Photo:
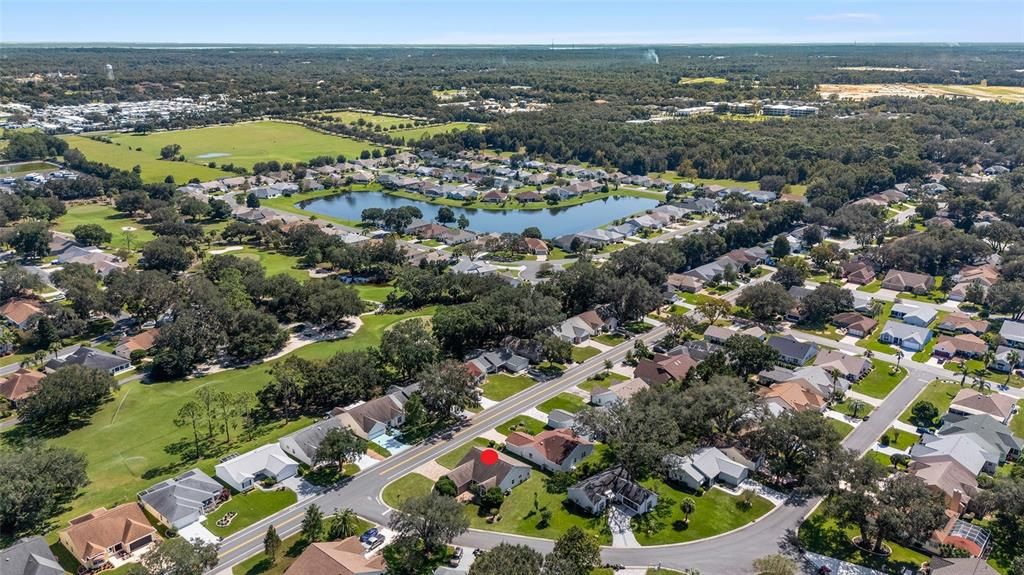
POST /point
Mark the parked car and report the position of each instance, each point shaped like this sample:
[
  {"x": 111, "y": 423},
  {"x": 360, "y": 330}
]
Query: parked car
[
  {"x": 455, "y": 558},
  {"x": 368, "y": 535},
  {"x": 376, "y": 541}
]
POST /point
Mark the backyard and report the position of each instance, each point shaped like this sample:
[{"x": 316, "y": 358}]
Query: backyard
[
  {"x": 715, "y": 512},
  {"x": 250, "y": 508}
]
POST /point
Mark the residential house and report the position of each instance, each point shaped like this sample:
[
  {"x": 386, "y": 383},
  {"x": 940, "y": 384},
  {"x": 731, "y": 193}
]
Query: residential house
[
  {"x": 561, "y": 419},
  {"x": 858, "y": 272},
  {"x": 707, "y": 466},
  {"x": 502, "y": 359},
  {"x": 967, "y": 450},
  {"x": 621, "y": 391},
  {"x": 101, "y": 261},
  {"x": 909, "y": 337},
  {"x": 20, "y": 312},
  {"x": 682, "y": 282},
  {"x": 962, "y": 566},
  {"x": 851, "y": 367},
  {"x": 918, "y": 315},
  {"x": 582, "y": 327},
  {"x": 531, "y": 349},
  {"x": 664, "y": 368},
  {"x": 371, "y": 419},
  {"x": 241, "y": 472},
  {"x": 471, "y": 474},
  {"x": 1012, "y": 333},
  {"x": 864, "y": 304},
  {"x": 474, "y": 267},
  {"x": 898, "y": 280},
  {"x": 963, "y": 345},
  {"x": 304, "y": 443},
  {"x": 96, "y": 537},
  {"x": 1007, "y": 358},
  {"x": 612, "y": 486},
  {"x": 947, "y": 476},
  {"x": 537, "y": 247},
  {"x": 717, "y": 334},
  {"x": 20, "y": 385},
  {"x": 821, "y": 380},
  {"x": 956, "y": 322},
  {"x": 971, "y": 402},
  {"x": 792, "y": 351},
  {"x": 998, "y": 443},
  {"x": 345, "y": 557},
  {"x": 142, "y": 341},
  {"x": 984, "y": 276},
  {"x": 90, "y": 357},
  {"x": 553, "y": 450},
  {"x": 30, "y": 556},
  {"x": 792, "y": 397},
  {"x": 854, "y": 323},
  {"x": 183, "y": 500}
]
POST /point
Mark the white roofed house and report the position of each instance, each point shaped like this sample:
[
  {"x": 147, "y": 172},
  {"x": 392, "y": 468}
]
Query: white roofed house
[
  {"x": 553, "y": 450},
  {"x": 617, "y": 392},
  {"x": 241, "y": 472},
  {"x": 706, "y": 466},
  {"x": 909, "y": 337}
]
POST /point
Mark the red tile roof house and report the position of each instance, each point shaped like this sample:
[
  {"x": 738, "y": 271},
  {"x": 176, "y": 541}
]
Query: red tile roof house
[
  {"x": 897, "y": 280},
  {"x": 553, "y": 450},
  {"x": 664, "y": 368},
  {"x": 20, "y": 385},
  {"x": 537, "y": 247},
  {"x": 143, "y": 340},
  {"x": 20, "y": 311},
  {"x": 104, "y": 534}
]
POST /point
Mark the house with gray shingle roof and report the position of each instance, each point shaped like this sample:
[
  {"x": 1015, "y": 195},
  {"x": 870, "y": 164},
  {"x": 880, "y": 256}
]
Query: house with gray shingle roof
[
  {"x": 183, "y": 500},
  {"x": 30, "y": 556},
  {"x": 909, "y": 337}
]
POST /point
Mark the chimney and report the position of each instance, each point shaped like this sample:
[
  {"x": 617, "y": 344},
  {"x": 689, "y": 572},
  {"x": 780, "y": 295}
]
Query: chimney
[{"x": 956, "y": 502}]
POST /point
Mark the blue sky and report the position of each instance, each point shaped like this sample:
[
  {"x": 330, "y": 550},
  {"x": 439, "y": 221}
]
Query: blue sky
[{"x": 511, "y": 22}]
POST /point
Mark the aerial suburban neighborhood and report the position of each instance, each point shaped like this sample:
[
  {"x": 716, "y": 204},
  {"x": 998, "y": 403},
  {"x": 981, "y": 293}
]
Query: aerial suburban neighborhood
[{"x": 408, "y": 307}]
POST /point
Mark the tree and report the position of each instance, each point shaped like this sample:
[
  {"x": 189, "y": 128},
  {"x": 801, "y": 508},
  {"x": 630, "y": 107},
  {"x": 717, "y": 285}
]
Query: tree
[
  {"x": 492, "y": 499},
  {"x": 67, "y": 395},
  {"x": 463, "y": 222},
  {"x": 687, "y": 506},
  {"x": 91, "y": 235},
  {"x": 714, "y": 309},
  {"x": 434, "y": 520},
  {"x": 81, "y": 285},
  {"x": 575, "y": 553},
  {"x": 1007, "y": 297},
  {"x": 855, "y": 406},
  {"x": 190, "y": 414},
  {"x": 532, "y": 232},
  {"x": 415, "y": 412},
  {"x": 31, "y": 240},
  {"x": 749, "y": 355},
  {"x": 313, "y": 524},
  {"x": 555, "y": 349},
  {"x": 170, "y": 151},
  {"x": 789, "y": 276},
  {"x": 409, "y": 347},
  {"x": 445, "y": 486},
  {"x": 508, "y": 559},
  {"x": 793, "y": 442},
  {"x": 15, "y": 281},
  {"x": 271, "y": 544},
  {"x": 166, "y": 254},
  {"x": 343, "y": 525},
  {"x": 824, "y": 302},
  {"x": 252, "y": 201},
  {"x": 144, "y": 294},
  {"x": 924, "y": 413},
  {"x": 780, "y": 247},
  {"x": 36, "y": 481},
  {"x": 445, "y": 215},
  {"x": 194, "y": 208},
  {"x": 447, "y": 387},
  {"x": 767, "y": 301},
  {"x": 775, "y": 565},
  {"x": 219, "y": 209},
  {"x": 178, "y": 556},
  {"x": 339, "y": 446},
  {"x": 253, "y": 334}
]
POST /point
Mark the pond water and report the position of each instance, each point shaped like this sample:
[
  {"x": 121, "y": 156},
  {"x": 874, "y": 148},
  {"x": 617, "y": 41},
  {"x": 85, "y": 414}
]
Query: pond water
[{"x": 552, "y": 222}]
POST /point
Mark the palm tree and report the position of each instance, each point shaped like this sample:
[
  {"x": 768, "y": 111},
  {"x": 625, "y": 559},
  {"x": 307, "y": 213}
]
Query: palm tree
[
  {"x": 988, "y": 357},
  {"x": 54, "y": 348},
  {"x": 39, "y": 356},
  {"x": 869, "y": 354},
  {"x": 855, "y": 406},
  {"x": 343, "y": 525},
  {"x": 899, "y": 356},
  {"x": 688, "y": 506},
  {"x": 963, "y": 374},
  {"x": 1014, "y": 359}
]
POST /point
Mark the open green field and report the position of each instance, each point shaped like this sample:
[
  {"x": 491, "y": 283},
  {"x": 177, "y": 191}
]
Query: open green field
[
  {"x": 385, "y": 121},
  {"x": 501, "y": 386},
  {"x": 412, "y": 485},
  {"x": 250, "y": 507},
  {"x": 274, "y": 262},
  {"x": 413, "y": 134},
  {"x": 121, "y": 156},
  {"x": 565, "y": 401},
  {"x": 879, "y": 382},
  {"x": 703, "y": 80},
  {"x": 938, "y": 393},
  {"x": 109, "y": 219},
  {"x": 716, "y": 512}
]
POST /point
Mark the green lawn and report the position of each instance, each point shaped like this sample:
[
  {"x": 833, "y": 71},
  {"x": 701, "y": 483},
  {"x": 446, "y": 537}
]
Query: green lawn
[
  {"x": 250, "y": 507},
  {"x": 611, "y": 339},
  {"x": 453, "y": 457},
  {"x": 522, "y": 423},
  {"x": 871, "y": 342},
  {"x": 502, "y": 386},
  {"x": 110, "y": 220},
  {"x": 377, "y": 293},
  {"x": 583, "y": 353},
  {"x": 881, "y": 458},
  {"x": 412, "y": 485},
  {"x": 827, "y": 331},
  {"x": 1017, "y": 422},
  {"x": 841, "y": 427},
  {"x": 938, "y": 393},
  {"x": 898, "y": 439},
  {"x": 703, "y": 80},
  {"x": 873, "y": 287},
  {"x": 518, "y": 515},
  {"x": 696, "y": 298},
  {"x": 820, "y": 534},
  {"x": 716, "y": 512},
  {"x": 125, "y": 157},
  {"x": 385, "y": 121},
  {"x": 565, "y": 401},
  {"x": 610, "y": 379},
  {"x": 242, "y": 144},
  {"x": 412, "y": 134},
  {"x": 274, "y": 262},
  {"x": 844, "y": 408},
  {"x": 879, "y": 382},
  {"x": 923, "y": 355}
]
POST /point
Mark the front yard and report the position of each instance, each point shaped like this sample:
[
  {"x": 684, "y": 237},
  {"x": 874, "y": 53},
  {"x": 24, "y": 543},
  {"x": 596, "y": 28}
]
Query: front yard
[
  {"x": 453, "y": 457},
  {"x": 846, "y": 408},
  {"x": 612, "y": 339},
  {"x": 1017, "y": 422},
  {"x": 412, "y": 485},
  {"x": 583, "y": 353},
  {"x": 898, "y": 439},
  {"x": 523, "y": 423},
  {"x": 880, "y": 383},
  {"x": 501, "y": 386},
  {"x": 610, "y": 378},
  {"x": 938, "y": 393},
  {"x": 250, "y": 507},
  {"x": 820, "y": 534},
  {"x": 841, "y": 427},
  {"x": 716, "y": 512},
  {"x": 565, "y": 401}
]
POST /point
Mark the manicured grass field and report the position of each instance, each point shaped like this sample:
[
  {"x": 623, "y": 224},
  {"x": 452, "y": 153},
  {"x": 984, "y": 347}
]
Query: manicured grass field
[
  {"x": 938, "y": 393},
  {"x": 871, "y": 342},
  {"x": 841, "y": 427},
  {"x": 715, "y": 512},
  {"x": 522, "y": 423},
  {"x": 820, "y": 534},
  {"x": 1017, "y": 422},
  {"x": 125, "y": 157},
  {"x": 502, "y": 386},
  {"x": 565, "y": 401},
  {"x": 611, "y": 379},
  {"x": 898, "y": 439},
  {"x": 412, "y": 134},
  {"x": 583, "y": 353},
  {"x": 844, "y": 408},
  {"x": 880, "y": 457},
  {"x": 274, "y": 262},
  {"x": 250, "y": 507},
  {"x": 110, "y": 220},
  {"x": 370, "y": 292},
  {"x": 879, "y": 383},
  {"x": 703, "y": 80},
  {"x": 872, "y": 287},
  {"x": 453, "y": 457},
  {"x": 611, "y": 339},
  {"x": 696, "y": 298},
  {"x": 519, "y": 517},
  {"x": 412, "y": 485},
  {"x": 385, "y": 121}
]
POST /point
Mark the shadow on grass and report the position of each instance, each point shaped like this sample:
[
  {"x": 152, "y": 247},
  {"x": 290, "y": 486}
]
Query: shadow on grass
[{"x": 819, "y": 535}]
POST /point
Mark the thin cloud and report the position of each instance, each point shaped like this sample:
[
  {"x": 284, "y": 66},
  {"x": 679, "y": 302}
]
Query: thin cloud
[{"x": 845, "y": 17}]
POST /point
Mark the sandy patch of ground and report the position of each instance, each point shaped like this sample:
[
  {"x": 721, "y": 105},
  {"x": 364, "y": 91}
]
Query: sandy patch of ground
[
  {"x": 1013, "y": 94},
  {"x": 219, "y": 251},
  {"x": 493, "y": 435},
  {"x": 432, "y": 470}
]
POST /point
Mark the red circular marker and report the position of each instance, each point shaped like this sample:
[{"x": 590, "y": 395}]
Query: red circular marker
[{"x": 488, "y": 457}]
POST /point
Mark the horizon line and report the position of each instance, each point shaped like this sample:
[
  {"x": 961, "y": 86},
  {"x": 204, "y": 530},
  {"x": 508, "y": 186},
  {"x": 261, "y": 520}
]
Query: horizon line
[{"x": 946, "y": 43}]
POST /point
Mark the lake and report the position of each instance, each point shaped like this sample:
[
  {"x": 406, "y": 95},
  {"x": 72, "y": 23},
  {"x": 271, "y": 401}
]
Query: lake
[{"x": 553, "y": 222}]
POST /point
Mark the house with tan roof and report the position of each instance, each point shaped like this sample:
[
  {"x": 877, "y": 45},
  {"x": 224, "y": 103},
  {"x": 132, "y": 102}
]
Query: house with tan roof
[
  {"x": 20, "y": 385},
  {"x": 962, "y": 345},
  {"x": 957, "y": 322},
  {"x": 898, "y": 280},
  {"x": 144, "y": 341},
  {"x": 791, "y": 396},
  {"x": 682, "y": 282},
  {"x": 983, "y": 276},
  {"x": 664, "y": 368},
  {"x": 345, "y": 557},
  {"x": 373, "y": 418},
  {"x": 851, "y": 367},
  {"x": 858, "y": 272},
  {"x": 104, "y": 534},
  {"x": 537, "y": 247},
  {"x": 471, "y": 474},
  {"x": 854, "y": 323},
  {"x": 971, "y": 402},
  {"x": 947, "y": 476},
  {"x": 553, "y": 450},
  {"x": 621, "y": 391},
  {"x": 19, "y": 312}
]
